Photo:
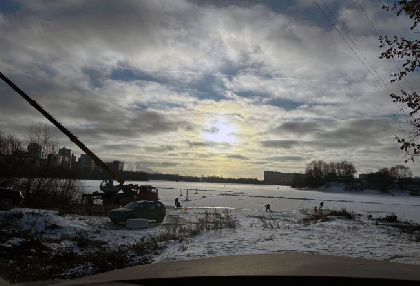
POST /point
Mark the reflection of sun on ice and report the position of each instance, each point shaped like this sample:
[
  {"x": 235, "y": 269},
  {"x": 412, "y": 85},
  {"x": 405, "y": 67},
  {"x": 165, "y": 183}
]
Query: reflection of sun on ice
[{"x": 219, "y": 132}]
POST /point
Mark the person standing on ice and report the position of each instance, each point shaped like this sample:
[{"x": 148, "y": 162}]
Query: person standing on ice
[{"x": 267, "y": 207}]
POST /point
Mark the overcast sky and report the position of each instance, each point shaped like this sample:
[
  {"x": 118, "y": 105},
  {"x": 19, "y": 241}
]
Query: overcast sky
[{"x": 227, "y": 88}]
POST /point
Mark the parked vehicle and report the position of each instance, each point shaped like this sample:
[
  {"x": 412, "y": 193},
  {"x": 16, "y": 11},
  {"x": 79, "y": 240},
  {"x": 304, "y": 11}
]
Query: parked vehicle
[
  {"x": 151, "y": 210},
  {"x": 9, "y": 198}
]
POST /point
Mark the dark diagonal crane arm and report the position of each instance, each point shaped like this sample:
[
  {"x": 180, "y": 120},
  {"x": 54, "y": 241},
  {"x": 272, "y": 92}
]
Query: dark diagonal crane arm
[{"x": 63, "y": 129}]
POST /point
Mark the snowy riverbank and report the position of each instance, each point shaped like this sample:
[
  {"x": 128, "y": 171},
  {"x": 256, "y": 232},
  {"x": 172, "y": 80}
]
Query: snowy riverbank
[{"x": 256, "y": 231}]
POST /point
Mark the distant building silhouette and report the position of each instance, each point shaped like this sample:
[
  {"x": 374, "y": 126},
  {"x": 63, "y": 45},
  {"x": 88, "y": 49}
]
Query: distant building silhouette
[
  {"x": 54, "y": 160},
  {"x": 35, "y": 152},
  {"x": 116, "y": 165},
  {"x": 279, "y": 178},
  {"x": 68, "y": 158},
  {"x": 383, "y": 182},
  {"x": 86, "y": 163}
]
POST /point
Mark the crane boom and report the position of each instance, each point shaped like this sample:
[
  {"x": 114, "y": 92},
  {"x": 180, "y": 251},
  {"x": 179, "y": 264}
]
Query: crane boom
[{"x": 63, "y": 129}]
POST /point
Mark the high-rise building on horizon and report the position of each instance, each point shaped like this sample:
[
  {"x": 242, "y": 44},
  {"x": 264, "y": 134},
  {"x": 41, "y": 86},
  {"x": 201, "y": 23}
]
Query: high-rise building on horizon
[
  {"x": 86, "y": 162},
  {"x": 67, "y": 155}
]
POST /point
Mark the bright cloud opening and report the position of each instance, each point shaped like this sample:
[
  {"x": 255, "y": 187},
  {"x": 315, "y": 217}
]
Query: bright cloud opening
[{"x": 220, "y": 132}]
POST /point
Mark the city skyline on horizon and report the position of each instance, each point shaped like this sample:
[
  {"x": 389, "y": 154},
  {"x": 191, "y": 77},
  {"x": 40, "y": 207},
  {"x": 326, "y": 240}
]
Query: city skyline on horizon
[{"x": 84, "y": 155}]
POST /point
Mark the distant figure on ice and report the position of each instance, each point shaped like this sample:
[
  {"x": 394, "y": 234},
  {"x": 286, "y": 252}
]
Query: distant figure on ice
[
  {"x": 176, "y": 201},
  {"x": 267, "y": 207},
  {"x": 321, "y": 205},
  {"x": 178, "y": 205}
]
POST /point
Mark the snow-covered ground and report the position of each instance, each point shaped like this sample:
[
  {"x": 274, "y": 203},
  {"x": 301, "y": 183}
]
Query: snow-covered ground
[
  {"x": 258, "y": 231},
  {"x": 356, "y": 238}
]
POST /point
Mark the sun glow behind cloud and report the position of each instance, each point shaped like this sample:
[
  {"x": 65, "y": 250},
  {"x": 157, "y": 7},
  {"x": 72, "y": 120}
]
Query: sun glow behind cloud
[
  {"x": 220, "y": 131},
  {"x": 222, "y": 127},
  {"x": 192, "y": 88}
]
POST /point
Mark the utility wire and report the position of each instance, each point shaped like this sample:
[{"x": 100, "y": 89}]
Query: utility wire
[
  {"x": 332, "y": 24},
  {"x": 355, "y": 46},
  {"x": 377, "y": 34}
]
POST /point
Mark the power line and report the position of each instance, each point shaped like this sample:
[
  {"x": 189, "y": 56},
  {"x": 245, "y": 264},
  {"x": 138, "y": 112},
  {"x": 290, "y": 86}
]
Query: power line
[
  {"x": 356, "y": 47},
  {"x": 377, "y": 34},
  {"x": 332, "y": 24}
]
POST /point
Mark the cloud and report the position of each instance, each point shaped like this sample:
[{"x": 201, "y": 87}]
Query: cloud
[
  {"x": 160, "y": 148},
  {"x": 211, "y": 130},
  {"x": 288, "y": 158},
  {"x": 139, "y": 80},
  {"x": 297, "y": 127},
  {"x": 286, "y": 144},
  {"x": 355, "y": 133},
  {"x": 211, "y": 144},
  {"x": 159, "y": 164},
  {"x": 237, "y": 156}
]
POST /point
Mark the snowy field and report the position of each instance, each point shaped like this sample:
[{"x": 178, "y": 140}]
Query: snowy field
[
  {"x": 257, "y": 231},
  {"x": 355, "y": 238}
]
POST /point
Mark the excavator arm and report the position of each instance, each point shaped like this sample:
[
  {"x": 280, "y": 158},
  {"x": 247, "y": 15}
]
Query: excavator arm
[{"x": 107, "y": 187}]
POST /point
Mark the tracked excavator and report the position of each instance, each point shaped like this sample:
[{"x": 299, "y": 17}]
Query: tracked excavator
[{"x": 110, "y": 194}]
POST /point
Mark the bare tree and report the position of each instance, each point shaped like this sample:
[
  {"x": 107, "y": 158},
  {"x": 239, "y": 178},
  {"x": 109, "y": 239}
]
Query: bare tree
[
  {"x": 9, "y": 144},
  {"x": 400, "y": 171},
  {"x": 316, "y": 172},
  {"x": 384, "y": 180},
  {"x": 12, "y": 159},
  {"x": 408, "y": 50},
  {"x": 319, "y": 172},
  {"x": 42, "y": 135},
  {"x": 18, "y": 171},
  {"x": 346, "y": 169}
]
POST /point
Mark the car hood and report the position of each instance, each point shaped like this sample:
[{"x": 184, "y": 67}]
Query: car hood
[{"x": 293, "y": 268}]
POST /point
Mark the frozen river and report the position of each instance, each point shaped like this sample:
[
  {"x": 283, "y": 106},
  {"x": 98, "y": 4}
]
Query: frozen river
[{"x": 282, "y": 199}]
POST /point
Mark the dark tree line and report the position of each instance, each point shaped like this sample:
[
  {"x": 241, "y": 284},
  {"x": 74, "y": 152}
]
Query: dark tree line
[
  {"x": 21, "y": 171},
  {"x": 389, "y": 178},
  {"x": 319, "y": 172},
  {"x": 208, "y": 179},
  {"x": 397, "y": 172}
]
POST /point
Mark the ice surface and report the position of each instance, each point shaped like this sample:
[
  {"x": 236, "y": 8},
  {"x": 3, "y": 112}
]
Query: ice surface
[
  {"x": 283, "y": 199},
  {"x": 362, "y": 237}
]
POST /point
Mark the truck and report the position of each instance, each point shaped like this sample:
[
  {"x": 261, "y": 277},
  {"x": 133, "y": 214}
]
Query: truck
[{"x": 118, "y": 194}]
